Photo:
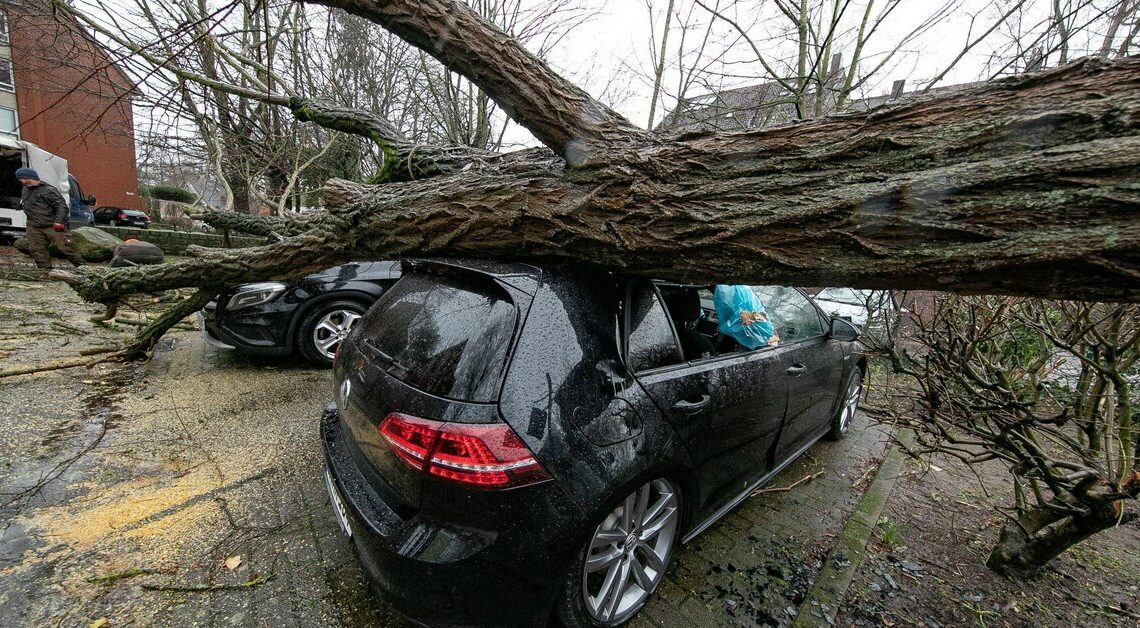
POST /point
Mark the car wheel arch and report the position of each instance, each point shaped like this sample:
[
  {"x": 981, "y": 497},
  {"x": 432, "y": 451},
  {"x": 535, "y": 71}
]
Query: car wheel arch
[
  {"x": 675, "y": 476},
  {"x": 683, "y": 479},
  {"x": 861, "y": 366},
  {"x": 364, "y": 299},
  {"x": 839, "y": 428}
]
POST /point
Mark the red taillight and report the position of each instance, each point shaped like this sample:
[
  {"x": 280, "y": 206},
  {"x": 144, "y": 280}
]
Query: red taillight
[
  {"x": 122, "y": 216},
  {"x": 410, "y": 439},
  {"x": 483, "y": 457}
]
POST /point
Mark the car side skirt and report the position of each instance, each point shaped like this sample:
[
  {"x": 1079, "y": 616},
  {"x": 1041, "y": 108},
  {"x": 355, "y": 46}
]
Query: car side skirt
[{"x": 743, "y": 495}]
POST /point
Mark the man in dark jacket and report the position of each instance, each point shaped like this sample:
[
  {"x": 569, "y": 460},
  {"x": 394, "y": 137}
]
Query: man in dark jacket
[{"x": 47, "y": 220}]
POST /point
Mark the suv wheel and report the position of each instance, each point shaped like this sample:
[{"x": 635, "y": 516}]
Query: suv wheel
[
  {"x": 322, "y": 330},
  {"x": 624, "y": 559},
  {"x": 841, "y": 424}
]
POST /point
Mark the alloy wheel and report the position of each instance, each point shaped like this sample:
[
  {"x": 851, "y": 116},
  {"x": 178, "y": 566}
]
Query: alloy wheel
[
  {"x": 850, "y": 403},
  {"x": 629, "y": 552},
  {"x": 332, "y": 329}
]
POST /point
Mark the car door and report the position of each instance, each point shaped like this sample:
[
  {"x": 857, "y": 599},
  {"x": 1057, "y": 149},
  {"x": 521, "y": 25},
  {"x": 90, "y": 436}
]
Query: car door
[
  {"x": 813, "y": 366},
  {"x": 727, "y": 410}
]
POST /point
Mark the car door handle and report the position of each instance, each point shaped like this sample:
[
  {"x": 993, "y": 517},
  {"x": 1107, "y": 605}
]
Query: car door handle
[
  {"x": 796, "y": 370},
  {"x": 685, "y": 406}
]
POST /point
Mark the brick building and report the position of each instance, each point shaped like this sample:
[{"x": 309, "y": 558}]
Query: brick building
[{"x": 60, "y": 90}]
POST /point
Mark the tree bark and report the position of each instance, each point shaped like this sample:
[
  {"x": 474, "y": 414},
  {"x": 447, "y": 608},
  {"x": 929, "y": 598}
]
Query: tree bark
[
  {"x": 1040, "y": 535},
  {"x": 937, "y": 193},
  {"x": 1024, "y": 186},
  {"x": 403, "y": 160}
]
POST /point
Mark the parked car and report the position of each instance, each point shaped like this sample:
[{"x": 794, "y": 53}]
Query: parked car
[
  {"x": 507, "y": 441},
  {"x": 79, "y": 206},
  {"x": 80, "y": 216},
  {"x": 873, "y": 311},
  {"x": 121, "y": 217},
  {"x": 309, "y": 317}
]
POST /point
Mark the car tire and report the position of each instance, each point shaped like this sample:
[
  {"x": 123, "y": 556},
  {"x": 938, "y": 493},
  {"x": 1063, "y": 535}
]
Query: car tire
[
  {"x": 848, "y": 404},
  {"x": 112, "y": 223},
  {"x": 624, "y": 558},
  {"x": 323, "y": 327}
]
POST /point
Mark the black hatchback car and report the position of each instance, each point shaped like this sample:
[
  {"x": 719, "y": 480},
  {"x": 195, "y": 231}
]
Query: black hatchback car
[
  {"x": 309, "y": 317},
  {"x": 508, "y": 441},
  {"x": 121, "y": 217}
]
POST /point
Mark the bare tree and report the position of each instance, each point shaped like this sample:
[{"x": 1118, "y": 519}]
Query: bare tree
[
  {"x": 1045, "y": 388},
  {"x": 220, "y": 75},
  {"x": 1035, "y": 36},
  {"x": 798, "y": 50},
  {"x": 658, "y": 57}
]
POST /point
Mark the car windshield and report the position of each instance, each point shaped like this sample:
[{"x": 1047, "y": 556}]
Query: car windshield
[
  {"x": 444, "y": 335},
  {"x": 844, "y": 295}
]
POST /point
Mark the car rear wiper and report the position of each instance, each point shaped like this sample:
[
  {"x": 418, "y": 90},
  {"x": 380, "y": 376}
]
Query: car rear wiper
[{"x": 388, "y": 362}]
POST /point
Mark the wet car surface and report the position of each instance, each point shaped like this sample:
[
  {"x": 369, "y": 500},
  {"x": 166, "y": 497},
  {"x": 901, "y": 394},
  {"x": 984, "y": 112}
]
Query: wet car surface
[
  {"x": 203, "y": 455},
  {"x": 509, "y": 442},
  {"x": 309, "y": 317}
]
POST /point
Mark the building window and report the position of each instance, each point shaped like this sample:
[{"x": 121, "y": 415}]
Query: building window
[
  {"x": 6, "y": 82},
  {"x": 8, "y": 122},
  {"x": 3, "y": 27}
]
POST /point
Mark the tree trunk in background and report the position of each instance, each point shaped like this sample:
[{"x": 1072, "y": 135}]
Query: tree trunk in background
[{"x": 1040, "y": 535}]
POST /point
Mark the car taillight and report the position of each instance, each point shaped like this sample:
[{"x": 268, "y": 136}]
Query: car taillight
[
  {"x": 122, "y": 216},
  {"x": 477, "y": 456}
]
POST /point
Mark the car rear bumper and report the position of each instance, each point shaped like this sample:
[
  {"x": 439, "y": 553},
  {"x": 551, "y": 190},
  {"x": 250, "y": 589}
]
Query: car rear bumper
[{"x": 436, "y": 574}]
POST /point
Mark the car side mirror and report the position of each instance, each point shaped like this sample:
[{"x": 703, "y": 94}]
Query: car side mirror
[
  {"x": 615, "y": 378},
  {"x": 90, "y": 200},
  {"x": 843, "y": 330}
]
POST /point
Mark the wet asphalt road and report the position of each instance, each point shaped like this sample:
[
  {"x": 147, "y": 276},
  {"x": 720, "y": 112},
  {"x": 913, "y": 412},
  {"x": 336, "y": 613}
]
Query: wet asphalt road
[{"x": 125, "y": 490}]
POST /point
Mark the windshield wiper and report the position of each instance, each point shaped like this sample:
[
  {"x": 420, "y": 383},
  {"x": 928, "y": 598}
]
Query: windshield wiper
[{"x": 388, "y": 362}]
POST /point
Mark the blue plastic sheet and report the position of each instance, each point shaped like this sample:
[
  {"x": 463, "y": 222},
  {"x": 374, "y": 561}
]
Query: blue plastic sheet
[{"x": 729, "y": 302}]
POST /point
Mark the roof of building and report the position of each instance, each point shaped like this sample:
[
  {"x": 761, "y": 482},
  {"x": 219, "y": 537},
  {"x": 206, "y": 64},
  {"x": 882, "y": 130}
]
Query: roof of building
[{"x": 769, "y": 104}]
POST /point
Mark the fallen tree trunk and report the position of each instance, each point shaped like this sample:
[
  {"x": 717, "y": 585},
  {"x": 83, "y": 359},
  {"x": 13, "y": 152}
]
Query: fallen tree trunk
[{"x": 938, "y": 193}]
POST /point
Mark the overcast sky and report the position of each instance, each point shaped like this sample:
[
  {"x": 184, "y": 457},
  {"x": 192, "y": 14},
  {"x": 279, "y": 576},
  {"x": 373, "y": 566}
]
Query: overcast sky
[{"x": 615, "y": 46}]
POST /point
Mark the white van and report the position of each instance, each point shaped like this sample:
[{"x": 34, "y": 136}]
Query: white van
[{"x": 15, "y": 153}]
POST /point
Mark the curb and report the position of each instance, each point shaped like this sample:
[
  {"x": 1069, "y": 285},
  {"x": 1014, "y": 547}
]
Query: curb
[{"x": 830, "y": 586}]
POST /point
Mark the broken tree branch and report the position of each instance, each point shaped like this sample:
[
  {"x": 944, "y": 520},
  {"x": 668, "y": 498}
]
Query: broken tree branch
[{"x": 785, "y": 489}]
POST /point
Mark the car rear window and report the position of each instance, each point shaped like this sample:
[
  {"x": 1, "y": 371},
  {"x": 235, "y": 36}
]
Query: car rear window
[{"x": 446, "y": 335}]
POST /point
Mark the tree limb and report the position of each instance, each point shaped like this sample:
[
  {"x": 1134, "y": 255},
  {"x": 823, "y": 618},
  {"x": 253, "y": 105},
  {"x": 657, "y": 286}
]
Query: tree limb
[{"x": 561, "y": 115}]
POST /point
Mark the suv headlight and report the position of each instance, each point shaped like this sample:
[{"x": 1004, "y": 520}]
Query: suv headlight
[{"x": 252, "y": 294}]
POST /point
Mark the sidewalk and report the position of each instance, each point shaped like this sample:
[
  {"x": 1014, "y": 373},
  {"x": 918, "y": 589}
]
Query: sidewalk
[
  {"x": 830, "y": 586},
  {"x": 757, "y": 565}
]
